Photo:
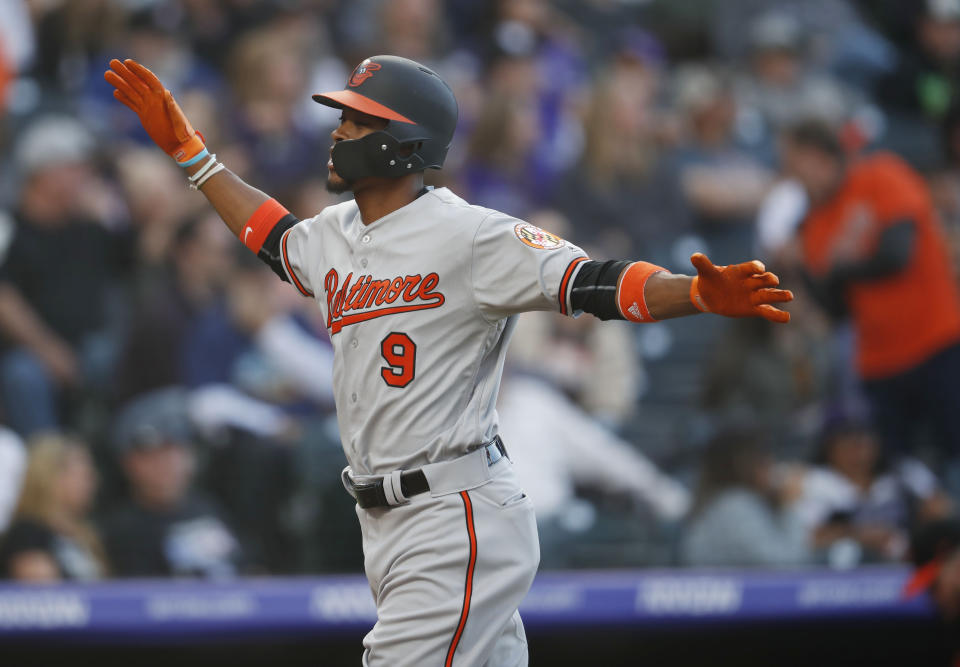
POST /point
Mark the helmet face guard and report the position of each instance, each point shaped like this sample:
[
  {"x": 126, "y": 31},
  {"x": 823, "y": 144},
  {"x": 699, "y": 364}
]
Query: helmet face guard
[
  {"x": 420, "y": 110},
  {"x": 381, "y": 154}
]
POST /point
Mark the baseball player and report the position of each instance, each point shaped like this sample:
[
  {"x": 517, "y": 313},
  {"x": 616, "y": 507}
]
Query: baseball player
[{"x": 420, "y": 290}]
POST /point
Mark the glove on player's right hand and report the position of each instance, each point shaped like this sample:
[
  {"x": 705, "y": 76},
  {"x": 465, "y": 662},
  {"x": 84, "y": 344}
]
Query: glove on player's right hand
[
  {"x": 738, "y": 290},
  {"x": 159, "y": 113}
]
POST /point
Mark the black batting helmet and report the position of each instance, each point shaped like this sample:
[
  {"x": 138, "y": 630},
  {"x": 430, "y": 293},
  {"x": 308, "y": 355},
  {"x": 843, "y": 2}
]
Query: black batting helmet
[{"x": 420, "y": 108}]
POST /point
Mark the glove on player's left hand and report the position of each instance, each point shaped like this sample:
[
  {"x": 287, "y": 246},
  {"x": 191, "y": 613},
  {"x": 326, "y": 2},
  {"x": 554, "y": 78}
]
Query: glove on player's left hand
[
  {"x": 737, "y": 290},
  {"x": 140, "y": 89}
]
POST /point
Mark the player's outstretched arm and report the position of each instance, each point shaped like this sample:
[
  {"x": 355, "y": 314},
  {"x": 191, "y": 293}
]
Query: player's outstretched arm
[
  {"x": 140, "y": 90},
  {"x": 644, "y": 292}
]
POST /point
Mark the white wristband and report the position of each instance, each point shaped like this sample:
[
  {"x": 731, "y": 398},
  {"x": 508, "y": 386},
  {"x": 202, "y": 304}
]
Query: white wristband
[
  {"x": 216, "y": 170},
  {"x": 203, "y": 170}
]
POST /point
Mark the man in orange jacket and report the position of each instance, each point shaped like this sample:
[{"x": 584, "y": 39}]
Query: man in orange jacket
[{"x": 873, "y": 248}]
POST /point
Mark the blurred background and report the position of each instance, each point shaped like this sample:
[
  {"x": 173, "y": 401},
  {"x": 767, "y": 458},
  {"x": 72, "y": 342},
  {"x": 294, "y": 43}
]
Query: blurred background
[{"x": 166, "y": 402}]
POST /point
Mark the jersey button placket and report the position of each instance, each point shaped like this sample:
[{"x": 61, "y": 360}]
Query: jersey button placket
[
  {"x": 353, "y": 343},
  {"x": 365, "y": 239}
]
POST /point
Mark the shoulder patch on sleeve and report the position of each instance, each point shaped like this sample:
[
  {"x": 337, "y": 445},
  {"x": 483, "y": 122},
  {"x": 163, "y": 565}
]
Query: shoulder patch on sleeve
[{"x": 537, "y": 238}]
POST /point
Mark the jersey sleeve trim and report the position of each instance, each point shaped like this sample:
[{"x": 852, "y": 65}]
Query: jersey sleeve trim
[
  {"x": 564, "y": 294},
  {"x": 289, "y": 268}
]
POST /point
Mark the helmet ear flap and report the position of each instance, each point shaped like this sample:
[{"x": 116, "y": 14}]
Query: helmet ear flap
[{"x": 376, "y": 154}]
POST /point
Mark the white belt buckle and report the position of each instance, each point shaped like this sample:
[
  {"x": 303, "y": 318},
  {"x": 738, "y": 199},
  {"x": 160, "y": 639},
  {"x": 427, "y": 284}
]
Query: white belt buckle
[{"x": 493, "y": 453}]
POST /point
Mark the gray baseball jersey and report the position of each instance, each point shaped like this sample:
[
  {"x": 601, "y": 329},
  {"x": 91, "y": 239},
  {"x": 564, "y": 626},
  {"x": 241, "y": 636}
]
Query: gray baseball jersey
[{"x": 418, "y": 306}]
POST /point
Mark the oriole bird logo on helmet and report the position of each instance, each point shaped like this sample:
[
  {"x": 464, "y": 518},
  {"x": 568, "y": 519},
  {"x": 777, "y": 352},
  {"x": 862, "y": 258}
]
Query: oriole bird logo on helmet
[{"x": 363, "y": 72}]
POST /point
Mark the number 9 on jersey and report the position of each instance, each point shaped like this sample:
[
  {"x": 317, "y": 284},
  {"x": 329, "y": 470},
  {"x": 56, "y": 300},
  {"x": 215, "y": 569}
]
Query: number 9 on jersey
[{"x": 400, "y": 352}]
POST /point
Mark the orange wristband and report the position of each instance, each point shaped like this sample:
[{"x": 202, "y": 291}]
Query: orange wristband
[
  {"x": 630, "y": 298},
  {"x": 695, "y": 297},
  {"x": 263, "y": 220}
]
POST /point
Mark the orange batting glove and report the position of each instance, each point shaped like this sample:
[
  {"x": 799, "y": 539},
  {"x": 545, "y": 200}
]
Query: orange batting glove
[
  {"x": 159, "y": 113},
  {"x": 738, "y": 290}
]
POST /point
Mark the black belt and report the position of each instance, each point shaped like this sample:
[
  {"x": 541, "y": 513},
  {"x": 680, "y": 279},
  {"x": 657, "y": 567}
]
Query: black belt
[{"x": 414, "y": 482}]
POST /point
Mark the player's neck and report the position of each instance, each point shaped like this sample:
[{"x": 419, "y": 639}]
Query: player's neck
[{"x": 381, "y": 197}]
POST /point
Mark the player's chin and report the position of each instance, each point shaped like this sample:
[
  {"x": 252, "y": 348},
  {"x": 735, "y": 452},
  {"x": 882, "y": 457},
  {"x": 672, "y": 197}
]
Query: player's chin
[{"x": 336, "y": 184}]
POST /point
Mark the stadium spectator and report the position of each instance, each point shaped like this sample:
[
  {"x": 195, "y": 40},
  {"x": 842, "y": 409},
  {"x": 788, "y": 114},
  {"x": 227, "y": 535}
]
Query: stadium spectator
[
  {"x": 156, "y": 31},
  {"x": 779, "y": 87},
  {"x": 152, "y": 190},
  {"x": 222, "y": 322},
  {"x": 51, "y": 537},
  {"x": 67, "y": 36},
  {"x": 924, "y": 83},
  {"x": 772, "y": 375},
  {"x": 269, "y": 76},
  {"x": 743, "y": 512},
  {"x": 590, "y": 485},
  {"x": 837, "y": 37},
  {"x": 622, "y": 196},
  {"x": 723, "y": 182},
  {"x": 918, "y": 94},
  {"x": 166, "y": 527},
  {"x": 412, "y": 29},
  {"x": 57, "y": 276},
  {"x": 567, "y": 452},
  {"x": 497, "y": 172},
  {"x": 535, "y": 50},
  {"x": 298, "y": 360},
  {"x": 859, "y": 504},
  {"x": 252, "y": 463},
  {"x": 169, "y": 304},
  {"x": 872, "y": 247},
  {"x": 253, "y": 339}
]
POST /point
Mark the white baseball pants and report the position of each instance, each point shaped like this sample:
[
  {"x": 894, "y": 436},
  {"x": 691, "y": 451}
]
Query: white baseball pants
[{"x": 447, "y": 571}]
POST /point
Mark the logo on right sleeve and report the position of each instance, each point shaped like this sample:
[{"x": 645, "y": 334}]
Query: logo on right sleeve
[{"x": 538, "y": 238}]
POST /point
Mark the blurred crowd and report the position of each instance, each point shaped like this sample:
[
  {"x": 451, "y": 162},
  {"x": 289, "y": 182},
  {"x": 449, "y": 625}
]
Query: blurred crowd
[{"x": 166, "y": 401}]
